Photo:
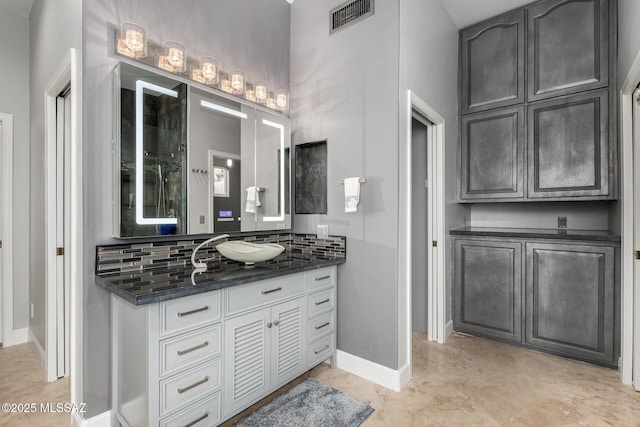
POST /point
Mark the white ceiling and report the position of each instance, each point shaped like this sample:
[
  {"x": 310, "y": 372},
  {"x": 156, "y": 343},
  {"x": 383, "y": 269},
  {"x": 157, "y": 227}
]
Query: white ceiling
[
  {"x": 21, "y": 7},
  {"x": 467, "y": 12}
]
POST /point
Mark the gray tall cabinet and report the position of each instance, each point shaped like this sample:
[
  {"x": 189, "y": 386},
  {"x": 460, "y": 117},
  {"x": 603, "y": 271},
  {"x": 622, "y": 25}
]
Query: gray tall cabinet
[
  {"x": 538, "y": 115},
  {"x": 538, "y": 121}
]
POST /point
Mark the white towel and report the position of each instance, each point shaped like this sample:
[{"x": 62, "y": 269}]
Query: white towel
[
  {"x": 351, "y": 194},
  {"x": 253, "y": 200}
]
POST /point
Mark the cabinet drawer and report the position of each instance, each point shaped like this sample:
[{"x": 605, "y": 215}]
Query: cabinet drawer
[
  {"x": 321, "y": 325},
  {"x": 321, "y": 278},
  {"x": 244, "y": 297},
  {"x": 321, "y": 301},
  {"x": 321, "y": 350},
  {"x": 181, "y": 390},
  {"x": 203, "y": 413},
  {"x": 187, "y": 350},
  {"x": 189, "y": 312}
]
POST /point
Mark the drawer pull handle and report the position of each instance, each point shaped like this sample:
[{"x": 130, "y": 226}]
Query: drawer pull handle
[
  {"x": 187, "y": 388},
  {"x": 189, "y": 350},
  {"x": 197, "y": 310},
  {"x": 324, "y": 325},
  {"x": 271, "y": 291},
  {"x": 322, "y": 302},
  {"x": 322, "y": 278},
  {"x": 323, "y": 349},
  {"x": 196, "y": 421}
]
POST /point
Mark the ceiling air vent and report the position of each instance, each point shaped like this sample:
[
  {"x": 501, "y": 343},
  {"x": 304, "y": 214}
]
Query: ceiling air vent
[{"x": 349, "y": 13}]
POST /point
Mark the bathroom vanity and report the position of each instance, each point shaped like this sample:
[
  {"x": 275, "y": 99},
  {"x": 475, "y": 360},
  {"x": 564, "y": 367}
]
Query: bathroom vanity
[{"x": 198, "y": 350}]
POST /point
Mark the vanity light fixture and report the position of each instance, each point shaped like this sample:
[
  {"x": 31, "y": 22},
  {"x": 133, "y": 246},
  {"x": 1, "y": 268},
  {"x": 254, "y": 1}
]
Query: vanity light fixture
[
  {"x": 132, "y": 41},
  {"x": 173, "y": 58},
  {"x": 237, "y": 81},
  {"x": 282, "y": 99},
  {"x": 262, "y": 91}
]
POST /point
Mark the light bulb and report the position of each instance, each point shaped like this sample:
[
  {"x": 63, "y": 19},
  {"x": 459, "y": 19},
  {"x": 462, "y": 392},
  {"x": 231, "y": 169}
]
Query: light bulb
[
  {"x": 132, "y": 41},
  {"x": 176, "y": 56},
  {"x": 209, "y": 69},
  {"x": 237, "y": 81}
]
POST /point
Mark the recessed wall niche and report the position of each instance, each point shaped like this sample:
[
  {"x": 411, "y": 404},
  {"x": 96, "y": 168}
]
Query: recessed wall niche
[{"x": 311, "y": 178}]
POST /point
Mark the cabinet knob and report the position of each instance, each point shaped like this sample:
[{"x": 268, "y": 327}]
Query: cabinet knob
[
  {"x": 269, "y": 325},
  {"x": 276, "y": 322}
]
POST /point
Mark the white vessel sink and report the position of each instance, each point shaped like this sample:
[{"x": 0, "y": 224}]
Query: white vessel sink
[{"x": 248, "y": 252}]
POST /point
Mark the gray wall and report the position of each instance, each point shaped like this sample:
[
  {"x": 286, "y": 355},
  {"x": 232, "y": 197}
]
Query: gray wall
[
  {"x": 54, "y": 29},
  {"x": 253, "y": 35},
  {"x": 344, "y": 88},
  {"x": 429, "y": 68},
  {"x": 14, "y": 87},
  {"x": 419, "y": 227},
  {"x": 580, "y": 215}
]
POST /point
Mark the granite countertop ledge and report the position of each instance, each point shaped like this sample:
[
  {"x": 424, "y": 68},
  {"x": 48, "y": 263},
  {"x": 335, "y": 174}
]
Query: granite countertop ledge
[
  {"x": 160, "y": 284},
  {"x": 538, "y": 233}
]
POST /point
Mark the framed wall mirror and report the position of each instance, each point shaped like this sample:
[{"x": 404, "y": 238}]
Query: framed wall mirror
[{"x": 189, "y": 160}]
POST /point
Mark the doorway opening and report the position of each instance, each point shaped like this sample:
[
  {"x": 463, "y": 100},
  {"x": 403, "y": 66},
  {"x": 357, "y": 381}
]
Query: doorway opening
[
  {"x": 630, "y": 230},
  {"x": 419, "y": 213},
  {"x": 429, "y": 233}
]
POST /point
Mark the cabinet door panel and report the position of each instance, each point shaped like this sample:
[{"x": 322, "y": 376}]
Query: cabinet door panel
[
  {"x": 493, "y": 63},
  {"x": 247, "y": 359},
  {"x": 493, "y": 155},
  {"x": 568, "y": 47},
  {"x": 569, "y": 299},
  {"x": 488, "y": 280},
  {"x": 568, "y": 147},
  {"x": 287, "y": 350}
]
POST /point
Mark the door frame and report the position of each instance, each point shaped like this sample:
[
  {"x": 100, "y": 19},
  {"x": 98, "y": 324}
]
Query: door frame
[
  {"x": 629, "y": 299},
  {"x": 436, "y": 289},
  {"x": 68, "y": 72},
  {"x": 6, "y": 331}
]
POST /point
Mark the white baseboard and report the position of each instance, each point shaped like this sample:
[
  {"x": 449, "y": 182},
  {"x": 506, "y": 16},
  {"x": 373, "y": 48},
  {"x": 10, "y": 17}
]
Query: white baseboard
[
  {"x": 17, "y": 336},
  {"x": 448, "y": 330},
  {"x": 39, "y": 349},
  {"x": 100, "y": 420},
  {"x": 376, "y": 373}
]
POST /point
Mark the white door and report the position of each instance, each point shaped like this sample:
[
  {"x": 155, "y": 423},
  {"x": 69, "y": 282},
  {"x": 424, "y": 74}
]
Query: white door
[
  {"x": 63, "y": 139},
  {"x": 636, "y": 239}
]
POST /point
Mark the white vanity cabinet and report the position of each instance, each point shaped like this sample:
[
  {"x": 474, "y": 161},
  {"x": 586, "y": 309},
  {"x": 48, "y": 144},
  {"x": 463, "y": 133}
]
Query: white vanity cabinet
[{"x": 199, "y": 360}]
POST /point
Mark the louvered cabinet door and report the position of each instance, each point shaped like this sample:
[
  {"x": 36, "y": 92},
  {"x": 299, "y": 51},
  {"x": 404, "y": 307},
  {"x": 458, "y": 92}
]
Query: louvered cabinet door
[
  {"x": 247, "y": 364},
  {"x": 287, "y": 349}
]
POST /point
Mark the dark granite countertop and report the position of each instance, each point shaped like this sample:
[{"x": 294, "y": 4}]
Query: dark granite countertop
[
  {"x": 159, "y": 284},
  {"x": 537, "y": 233}
]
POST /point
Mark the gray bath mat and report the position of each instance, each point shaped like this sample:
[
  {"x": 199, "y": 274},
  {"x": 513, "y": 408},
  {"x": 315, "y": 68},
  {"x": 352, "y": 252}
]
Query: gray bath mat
[{"x": 310, "y": 404}]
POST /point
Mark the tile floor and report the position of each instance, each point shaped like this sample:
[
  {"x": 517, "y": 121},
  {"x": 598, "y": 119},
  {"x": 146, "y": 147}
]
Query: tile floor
[
  {"x": 22, "y": 380},
  {"x": 467, "y": 381}
]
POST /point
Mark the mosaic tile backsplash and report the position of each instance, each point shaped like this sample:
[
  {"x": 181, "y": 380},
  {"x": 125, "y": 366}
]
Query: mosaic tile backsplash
[{"x": 137, "y": 256}]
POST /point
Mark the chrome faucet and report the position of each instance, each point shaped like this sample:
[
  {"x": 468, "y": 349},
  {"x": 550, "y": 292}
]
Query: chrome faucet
[{"x": 202, "y": 266}]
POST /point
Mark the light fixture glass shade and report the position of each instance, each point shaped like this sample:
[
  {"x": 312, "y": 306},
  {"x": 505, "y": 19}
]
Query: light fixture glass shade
[
  {"x": 210, "y": 68},
  {"x": 270, "y": 103},
  {"x": 132, "y": 41},
  {"x": 196, "y": 74},
  {"x": 225, "y": 86},
  {"x": 262, "y": 91},
  {"x": 250, "y": 93},
  {"x": 237, "y": 81},
  {"x": 175, "y": 56},
  {"x": 282, "y": 99}
]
